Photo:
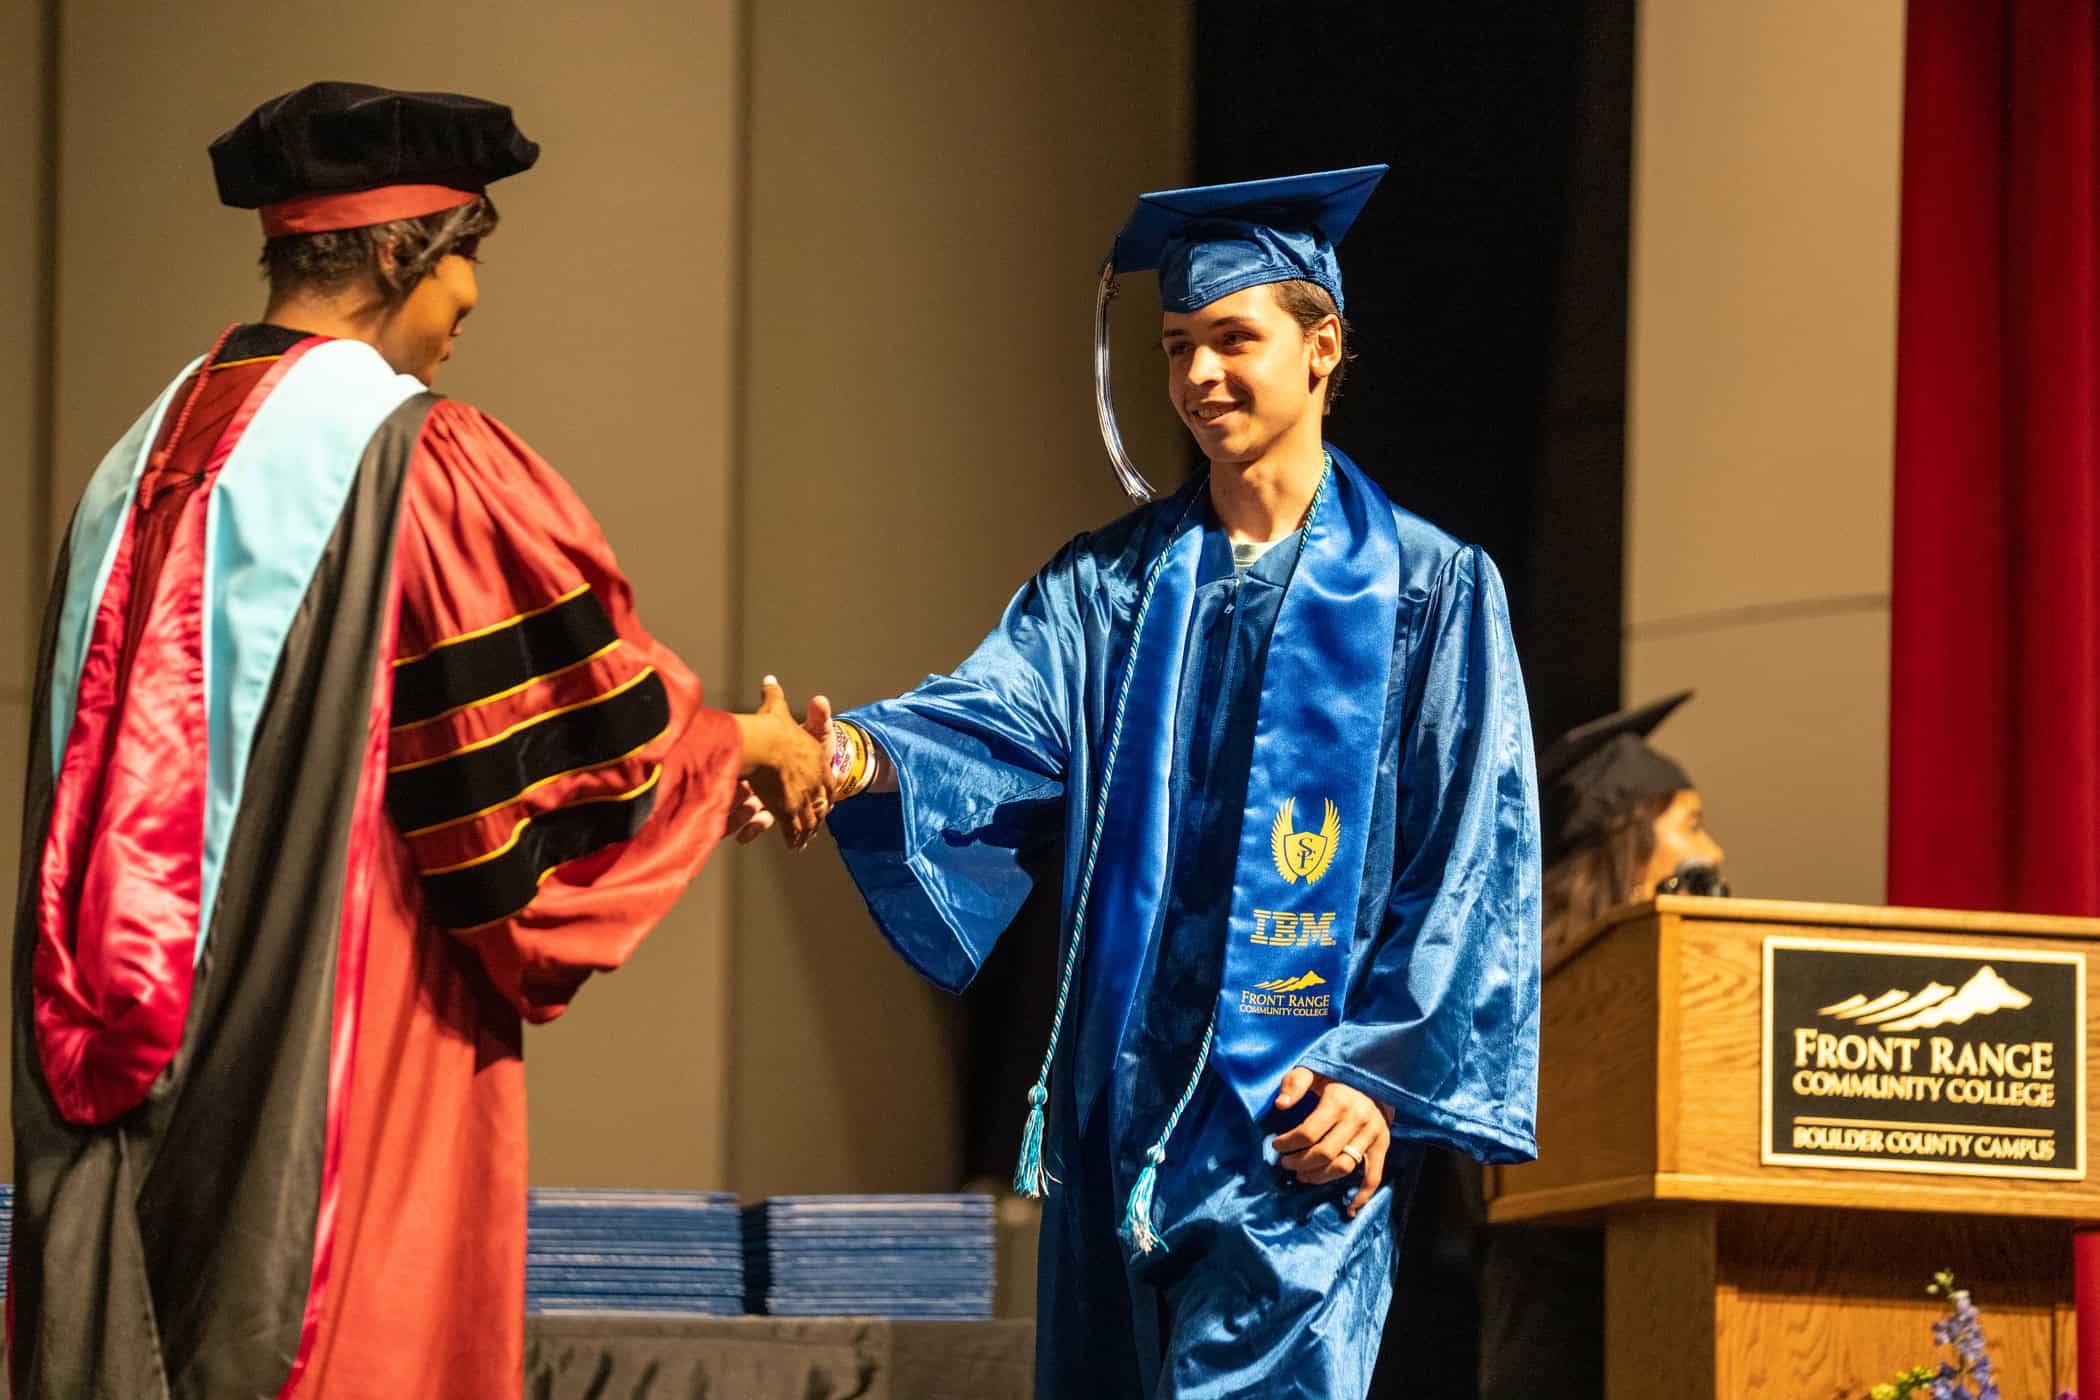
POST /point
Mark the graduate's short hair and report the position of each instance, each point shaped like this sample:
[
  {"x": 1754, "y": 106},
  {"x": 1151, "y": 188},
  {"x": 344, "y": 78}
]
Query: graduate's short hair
[
  {"x": 1309, "y": 303},
  {"x": 326, "y": 261}
]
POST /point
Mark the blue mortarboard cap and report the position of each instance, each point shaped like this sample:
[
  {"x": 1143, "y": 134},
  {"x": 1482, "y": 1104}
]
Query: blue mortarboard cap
[{"x": 1214, "y": 240}]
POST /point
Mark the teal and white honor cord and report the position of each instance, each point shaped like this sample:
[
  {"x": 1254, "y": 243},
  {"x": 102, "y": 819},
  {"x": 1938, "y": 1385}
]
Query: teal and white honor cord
[{"x": 1030, "y": 1177}]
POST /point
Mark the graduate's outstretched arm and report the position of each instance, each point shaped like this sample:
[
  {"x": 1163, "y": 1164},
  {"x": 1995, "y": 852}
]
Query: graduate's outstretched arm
[{"x": 968, "y": 771}]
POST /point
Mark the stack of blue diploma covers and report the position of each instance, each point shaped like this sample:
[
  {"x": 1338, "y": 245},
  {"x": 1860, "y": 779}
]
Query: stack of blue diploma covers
[
  {"x": 633, "y": 1251},
  {"x": 870, "y": 1256}
]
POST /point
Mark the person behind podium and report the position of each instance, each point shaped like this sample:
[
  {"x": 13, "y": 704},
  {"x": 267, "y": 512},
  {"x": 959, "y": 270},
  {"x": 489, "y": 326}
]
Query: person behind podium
[{"x": 1622, "y": 823}]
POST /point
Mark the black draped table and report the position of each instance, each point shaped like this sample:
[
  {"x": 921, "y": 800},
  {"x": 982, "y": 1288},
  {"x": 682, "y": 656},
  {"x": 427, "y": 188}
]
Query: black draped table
[{"x": 635, "y": 1357}]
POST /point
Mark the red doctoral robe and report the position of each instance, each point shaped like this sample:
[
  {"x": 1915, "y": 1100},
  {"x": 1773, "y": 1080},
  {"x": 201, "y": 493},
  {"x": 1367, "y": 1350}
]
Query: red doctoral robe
[{"x": 293, "y": 1162}]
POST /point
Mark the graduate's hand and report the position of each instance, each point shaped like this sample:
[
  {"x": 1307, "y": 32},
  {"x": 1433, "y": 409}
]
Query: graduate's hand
[
  {"x": 748, "y": 817},
  {"x": 1344, "y": 1118},
  {"x": 787, "y": 770}
]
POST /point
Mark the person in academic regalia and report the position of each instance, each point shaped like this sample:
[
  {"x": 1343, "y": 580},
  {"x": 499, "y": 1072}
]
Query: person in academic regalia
[
  {"x": 349, "y": 757},
  {"x": 1623, "y": 823},
  {"x": 1278, "y": 724}
]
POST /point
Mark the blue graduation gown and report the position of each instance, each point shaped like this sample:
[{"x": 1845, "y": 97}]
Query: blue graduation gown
[{"x": 1263, "y": 1287}]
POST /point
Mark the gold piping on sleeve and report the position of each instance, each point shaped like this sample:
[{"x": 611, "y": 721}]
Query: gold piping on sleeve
[
  {"x": 517, "y": 832},
  {"x": 578, "y": 591},
  {"x": 608, "y": 649},
  {"x": 541, "y": 718},
  {"x": 532, "y": 788}
]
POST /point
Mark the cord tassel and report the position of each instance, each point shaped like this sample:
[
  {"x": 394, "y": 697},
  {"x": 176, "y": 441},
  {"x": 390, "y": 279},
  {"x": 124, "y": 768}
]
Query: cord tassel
[
  {"x": 1030, "y": 1179},
  {"x": 1137, "y": 1229}
]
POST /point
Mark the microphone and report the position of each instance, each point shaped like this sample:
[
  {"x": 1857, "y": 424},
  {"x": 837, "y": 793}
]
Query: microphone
[{"x": 1699, "y": 877}]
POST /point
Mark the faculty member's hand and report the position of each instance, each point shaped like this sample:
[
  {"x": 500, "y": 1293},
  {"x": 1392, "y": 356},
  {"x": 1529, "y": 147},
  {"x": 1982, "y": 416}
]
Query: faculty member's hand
[
  {"x": 1347, "y": 1129},
  {"x": 748, "y": 818},
  {"x": 785, "y": 769}
]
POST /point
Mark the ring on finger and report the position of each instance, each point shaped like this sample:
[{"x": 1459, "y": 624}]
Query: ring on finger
[{"x": 1355, "y": 1154}]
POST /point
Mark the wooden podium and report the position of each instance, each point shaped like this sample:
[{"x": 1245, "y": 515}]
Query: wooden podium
[{"x": 1732, "y": 1275}]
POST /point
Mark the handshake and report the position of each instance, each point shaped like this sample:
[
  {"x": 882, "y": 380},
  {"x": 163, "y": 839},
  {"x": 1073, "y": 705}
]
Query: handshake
[{"x": 787, "y": 777}]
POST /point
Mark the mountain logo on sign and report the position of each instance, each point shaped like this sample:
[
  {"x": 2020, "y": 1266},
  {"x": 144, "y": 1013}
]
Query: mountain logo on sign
[{"x": 1937, "y": 1005}]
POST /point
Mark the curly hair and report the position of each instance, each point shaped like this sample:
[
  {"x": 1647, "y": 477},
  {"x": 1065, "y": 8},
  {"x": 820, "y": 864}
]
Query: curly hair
[
  {"x": 1308, "y": 303},
  {"x": 326, "y": 262}
]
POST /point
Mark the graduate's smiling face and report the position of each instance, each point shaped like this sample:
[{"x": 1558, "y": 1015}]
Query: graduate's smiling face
[
  {"x": 416, "y": 336},
  {"x": 1244, "y": 376}
]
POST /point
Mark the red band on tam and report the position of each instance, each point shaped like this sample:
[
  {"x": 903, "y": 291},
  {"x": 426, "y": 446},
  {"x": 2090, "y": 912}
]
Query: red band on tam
[{"x": 323, "y": 213}]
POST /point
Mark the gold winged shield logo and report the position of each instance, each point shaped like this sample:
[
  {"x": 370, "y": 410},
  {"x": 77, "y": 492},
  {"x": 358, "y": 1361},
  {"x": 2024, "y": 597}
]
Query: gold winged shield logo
[{"x": 1304, "y": 855}]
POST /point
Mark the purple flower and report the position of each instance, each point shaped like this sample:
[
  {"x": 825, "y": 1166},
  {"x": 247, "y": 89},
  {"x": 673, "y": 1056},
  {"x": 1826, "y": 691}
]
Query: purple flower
[{"x": 1960, "y": 1330}]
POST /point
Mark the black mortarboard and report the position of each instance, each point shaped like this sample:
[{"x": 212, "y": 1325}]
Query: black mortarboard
[
  {"x": 1594, "y": 774},
  {"x": 346, "y": 155}
]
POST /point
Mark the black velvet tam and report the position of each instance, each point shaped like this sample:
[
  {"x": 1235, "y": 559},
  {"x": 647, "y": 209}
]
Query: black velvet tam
[
  {"x": 1594, "y": 774},
  {"x": 329, "y": 138}
]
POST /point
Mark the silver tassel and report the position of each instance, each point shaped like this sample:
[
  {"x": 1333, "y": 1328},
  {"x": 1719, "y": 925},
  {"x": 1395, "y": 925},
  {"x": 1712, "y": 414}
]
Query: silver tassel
[{"x": 1127, "y": 474}]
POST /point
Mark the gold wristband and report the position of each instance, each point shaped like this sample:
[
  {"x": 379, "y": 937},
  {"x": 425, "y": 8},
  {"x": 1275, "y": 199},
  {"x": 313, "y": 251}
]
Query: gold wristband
[{"x": 860, "y": 764}]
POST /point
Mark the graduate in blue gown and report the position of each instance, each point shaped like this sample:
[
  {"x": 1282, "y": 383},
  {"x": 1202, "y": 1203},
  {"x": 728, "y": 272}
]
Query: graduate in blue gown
[{"x": 1278, "y": 726}]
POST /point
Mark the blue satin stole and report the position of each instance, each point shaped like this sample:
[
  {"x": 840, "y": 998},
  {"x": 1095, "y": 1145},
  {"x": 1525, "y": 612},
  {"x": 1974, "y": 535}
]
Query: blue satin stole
[{"x": 1305, "y": 793}]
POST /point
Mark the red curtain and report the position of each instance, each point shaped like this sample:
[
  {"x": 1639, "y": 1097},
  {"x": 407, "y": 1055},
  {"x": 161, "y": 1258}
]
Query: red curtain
[{"x": 1994, "y": 773}]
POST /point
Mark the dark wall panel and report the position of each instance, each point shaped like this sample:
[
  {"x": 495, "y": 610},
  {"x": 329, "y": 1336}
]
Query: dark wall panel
[{"x": 1486, "y": 280}]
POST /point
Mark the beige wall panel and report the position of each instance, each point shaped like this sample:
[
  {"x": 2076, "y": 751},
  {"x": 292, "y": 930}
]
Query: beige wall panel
[
  {"x": 933, "y": 186},
  {"x": 603, "y": 337},
  {"x": 1767, "y": 155},
  {"x": 1788, "y": 742},
  {"x": 22, "y": 273}
]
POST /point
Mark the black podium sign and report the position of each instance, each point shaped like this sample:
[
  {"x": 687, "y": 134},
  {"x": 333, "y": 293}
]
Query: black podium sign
[{"x": 1924, "y": 1058}]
